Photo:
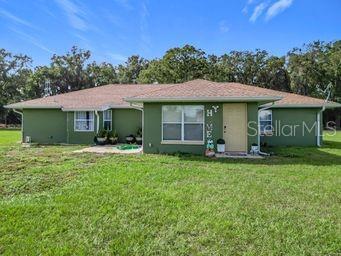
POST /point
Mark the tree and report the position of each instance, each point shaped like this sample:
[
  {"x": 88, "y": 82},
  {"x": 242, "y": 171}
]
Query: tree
[
  {"x": 274, "y": 75},
  {"x": 68, "y": 72},
  {"x": 14, "y": 72},
  {"x": 333, "y": 67},
  {"x": 104, "y": 73},
  {"x": 176, "y": 66},
  {"x": 220, "y": 69},
  {"x": 130, "y": 71},
  {"x": 307, "y": 68}
]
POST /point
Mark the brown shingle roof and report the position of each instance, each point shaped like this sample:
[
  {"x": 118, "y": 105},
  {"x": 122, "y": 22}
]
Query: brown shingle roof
[
  {"x": 207, "y": 90},
  {"x": 96, "y": 98},
  {"x": 119, "y": 95}
]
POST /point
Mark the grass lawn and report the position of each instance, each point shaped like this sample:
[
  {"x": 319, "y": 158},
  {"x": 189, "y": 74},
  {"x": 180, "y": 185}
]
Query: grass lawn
[{"x": 53, "y": 201}]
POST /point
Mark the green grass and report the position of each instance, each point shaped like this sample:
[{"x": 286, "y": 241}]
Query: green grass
[
  {"x": 53, "y": 201},
  {"x": 9, "y": 137}
]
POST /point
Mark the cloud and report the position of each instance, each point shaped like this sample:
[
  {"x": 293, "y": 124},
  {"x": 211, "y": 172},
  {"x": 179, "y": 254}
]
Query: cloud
[
  {"x": 257, "y": 11},
  {"x": 32, "y": 40},
  {"x": 117, "y": 57},
  {"x": 144, "y": 27},
  {"x": 16, "y": 19},
  {"x": 75, "y": 14},
  {"x": 245, "y": 10},
  {"x": 277, "y": 7},
  {"x": 223, "y": 27}
]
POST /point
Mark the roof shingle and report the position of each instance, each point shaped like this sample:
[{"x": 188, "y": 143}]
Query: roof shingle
[{"x": 119, "y": 96}]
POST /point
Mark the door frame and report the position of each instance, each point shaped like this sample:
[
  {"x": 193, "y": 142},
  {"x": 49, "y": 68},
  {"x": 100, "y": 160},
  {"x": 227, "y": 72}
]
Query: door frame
[{"x": 246, "y": 126}]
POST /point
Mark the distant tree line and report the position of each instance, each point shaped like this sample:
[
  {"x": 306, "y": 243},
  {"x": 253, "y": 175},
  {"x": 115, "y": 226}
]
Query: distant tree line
[{"x": 301, "y": 70}]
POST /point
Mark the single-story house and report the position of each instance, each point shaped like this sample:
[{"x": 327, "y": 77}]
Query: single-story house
[{"x": 177, "y": 117}]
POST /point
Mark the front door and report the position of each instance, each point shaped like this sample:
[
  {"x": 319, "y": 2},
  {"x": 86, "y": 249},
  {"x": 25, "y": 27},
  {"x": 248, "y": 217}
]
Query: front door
[{"x": 235, "y": 127}]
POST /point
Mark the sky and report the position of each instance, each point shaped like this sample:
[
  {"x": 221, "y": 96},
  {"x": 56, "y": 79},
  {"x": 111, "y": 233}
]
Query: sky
[{"x": 115, "y": 29}]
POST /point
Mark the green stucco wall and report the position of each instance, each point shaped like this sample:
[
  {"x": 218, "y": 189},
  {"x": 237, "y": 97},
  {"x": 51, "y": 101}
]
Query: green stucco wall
[
  {"x": 77, "y": 137},
  {"x": 49, "y": 126},
  {"x": 284, "y": 120},
  {"x": 152, "y": 129},
  {"x": 126, "y": 122},
  {"x": 45, "y": 126},
  {"x": 213, "y": 125}
]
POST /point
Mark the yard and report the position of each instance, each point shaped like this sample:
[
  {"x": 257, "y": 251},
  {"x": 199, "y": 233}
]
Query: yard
[{"x": 53, "y": 201}]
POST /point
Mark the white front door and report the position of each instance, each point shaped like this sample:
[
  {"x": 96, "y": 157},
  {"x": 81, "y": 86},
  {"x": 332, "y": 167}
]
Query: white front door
[{"x": 235, "y": 126}]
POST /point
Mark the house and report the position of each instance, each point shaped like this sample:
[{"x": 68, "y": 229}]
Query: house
[{"x": 177, "y": 117}]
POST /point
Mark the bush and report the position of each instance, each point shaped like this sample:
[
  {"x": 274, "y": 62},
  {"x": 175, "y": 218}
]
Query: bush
[
  {"x": 112, "y": 134},
  {"x": 102, "y": 134}
]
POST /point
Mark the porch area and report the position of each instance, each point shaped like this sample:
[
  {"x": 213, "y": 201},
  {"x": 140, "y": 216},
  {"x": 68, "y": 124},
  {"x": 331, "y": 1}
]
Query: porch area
[{"x": 112, "y": 149}]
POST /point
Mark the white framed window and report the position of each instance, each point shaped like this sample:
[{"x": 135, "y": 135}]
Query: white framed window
[
  {"x": 183, "y": 123},
  {"x": 107, "y": 120},
  {"x": 84, "y": 121},
  {"x": 265, "y": 121}
]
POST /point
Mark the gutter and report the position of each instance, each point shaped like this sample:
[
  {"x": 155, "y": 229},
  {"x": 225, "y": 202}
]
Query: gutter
[
  {"x": 328, "y": 105},
  {"x": 204, "y": 99},
  {"x": 15, "y": 106},
  {"x": 258, "y": 137},
  {"x": 22, "y": 123},
  {"x": 98, "y": 109}
]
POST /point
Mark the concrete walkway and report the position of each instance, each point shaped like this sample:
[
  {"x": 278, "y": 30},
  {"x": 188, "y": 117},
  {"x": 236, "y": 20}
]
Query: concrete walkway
[
  {"x": 108, "y": 149},
  {"x": 236, "y": 156}
]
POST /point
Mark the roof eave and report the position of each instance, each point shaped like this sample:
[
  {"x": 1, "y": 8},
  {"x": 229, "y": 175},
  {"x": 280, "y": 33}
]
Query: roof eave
[
  {"x": 205, "y": 99},
  {"x": 102, "y": 108},
  {"x": 18, "y": 106},
  {"x": 333, "y": 105}
]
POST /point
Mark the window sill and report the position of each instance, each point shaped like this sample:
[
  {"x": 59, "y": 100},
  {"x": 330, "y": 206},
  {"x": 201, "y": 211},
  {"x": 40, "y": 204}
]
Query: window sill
[{"x": 179, "y": 142}]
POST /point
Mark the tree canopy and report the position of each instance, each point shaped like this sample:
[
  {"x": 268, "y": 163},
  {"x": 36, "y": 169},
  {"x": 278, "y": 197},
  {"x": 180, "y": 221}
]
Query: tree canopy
[{"x": 302, "y": 70}]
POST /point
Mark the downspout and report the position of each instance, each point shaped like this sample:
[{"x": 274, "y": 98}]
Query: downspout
[
  {"x": 67, "y": 128},
  {"x": 97, "y": 121},
  {"x": 318, "y": 120},
  {"x": 259, "y": 131},
  {"x": 319, "y": 114},
  {"x": 22, "y": 123}
]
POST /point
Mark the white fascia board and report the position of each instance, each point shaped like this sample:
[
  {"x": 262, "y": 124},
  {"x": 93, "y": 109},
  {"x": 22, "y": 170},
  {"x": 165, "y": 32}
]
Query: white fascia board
[
  {"x": 205, "y": 99},
  {"x": 18, "y": 106},
  {"x": 103, "y": 108},
  {"x": 330, "y": 105}
]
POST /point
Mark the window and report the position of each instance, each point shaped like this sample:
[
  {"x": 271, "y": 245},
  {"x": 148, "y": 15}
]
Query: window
[
  {"x": 265, "y": 121},
  {"x": 84, "y": 121},
  {"x": 107, "y": 120},
  {"x": 183, "y": 123}
]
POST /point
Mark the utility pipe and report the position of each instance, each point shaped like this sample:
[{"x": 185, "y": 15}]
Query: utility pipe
[
  {"x": 318, "y": 120},
  {"x": 97, "y": 123},
  {"x": 319, "y": 114}
]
